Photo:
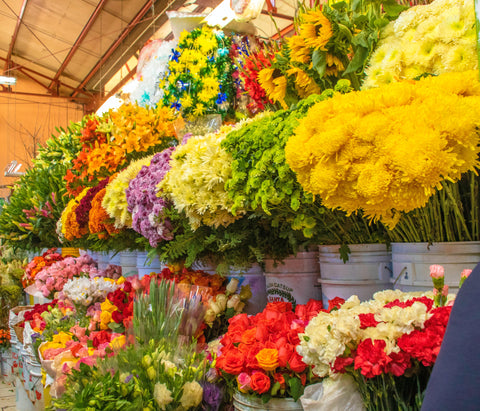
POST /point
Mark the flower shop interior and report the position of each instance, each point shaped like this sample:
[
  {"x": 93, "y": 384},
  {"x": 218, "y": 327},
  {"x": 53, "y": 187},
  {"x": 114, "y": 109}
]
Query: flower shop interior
[{"x": 239, "y": 205}]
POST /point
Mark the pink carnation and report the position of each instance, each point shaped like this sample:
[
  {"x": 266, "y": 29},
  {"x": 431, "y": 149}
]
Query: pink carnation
[{"x": 437, "y": 271}]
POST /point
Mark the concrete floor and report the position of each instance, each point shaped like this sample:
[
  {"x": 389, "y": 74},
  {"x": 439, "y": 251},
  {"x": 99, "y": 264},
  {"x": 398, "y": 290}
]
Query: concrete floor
[{"x": 7, "y": 396}]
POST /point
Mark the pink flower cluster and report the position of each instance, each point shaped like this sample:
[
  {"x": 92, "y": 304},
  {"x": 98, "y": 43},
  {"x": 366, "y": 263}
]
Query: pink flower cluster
[{"x": 52, "y": 279}]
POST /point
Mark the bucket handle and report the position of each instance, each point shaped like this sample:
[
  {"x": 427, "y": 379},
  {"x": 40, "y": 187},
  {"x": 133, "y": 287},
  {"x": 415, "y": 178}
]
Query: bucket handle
[{"x": 398, "y": 276}]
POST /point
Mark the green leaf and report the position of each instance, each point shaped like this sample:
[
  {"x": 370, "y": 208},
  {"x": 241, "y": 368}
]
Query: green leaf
[
  {"x": 339, "y": 6},
  {"x": 344, "y": 252},
  {"x": 296, "y": 387},
  {"x": 392, "y": 8},
  {"x": 319, "y": 61},
  {"x": 275, "y": 388},
  {"x": 358, "y": 60}
]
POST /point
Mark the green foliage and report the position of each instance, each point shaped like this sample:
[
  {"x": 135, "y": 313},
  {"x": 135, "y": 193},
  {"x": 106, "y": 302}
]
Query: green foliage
[{"x": 29, "y": 220}]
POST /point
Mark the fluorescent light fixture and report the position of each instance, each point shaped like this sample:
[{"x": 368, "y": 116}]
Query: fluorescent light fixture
[{"x": 8, "y": 81}]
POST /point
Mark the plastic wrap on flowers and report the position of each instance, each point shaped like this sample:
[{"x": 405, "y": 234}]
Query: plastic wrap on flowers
[{"x": 152, "y": 65}]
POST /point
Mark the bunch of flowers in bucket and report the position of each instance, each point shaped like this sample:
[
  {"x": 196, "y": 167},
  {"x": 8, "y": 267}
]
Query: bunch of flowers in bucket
[
  {"x": 199, "y": 80},
  {"x": 434, "y": 38},
  {"x": 112, "y": 141},
  {"x": 221, "y": 297},
  {"x": 154, "y": 370},
  {"x": 348, "y": 151},
  {"x": 333, "y": 41},
  {"x": 258, "y": 353},
  {"x": 388, "y": 344},
  {"x": 38, "y": 263},
  {"x": 52, "y": 279},
  {"x": 4, "y": 339}
]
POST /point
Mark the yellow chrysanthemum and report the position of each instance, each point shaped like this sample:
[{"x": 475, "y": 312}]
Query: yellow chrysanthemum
[
  {"x": 386, "y": 150},
  {"x": 299, "y": 51},
  {"x": 196, "y": 180},
  {"x": 316, "y": 29},
  {"x": 186, "y": 101},
  {"x": 115, "y": 200}
]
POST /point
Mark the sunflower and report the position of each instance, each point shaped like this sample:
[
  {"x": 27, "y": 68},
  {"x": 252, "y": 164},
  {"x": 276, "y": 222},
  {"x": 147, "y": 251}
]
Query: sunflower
[
  {"x": 304, "y": 84},
  {"x": 299, "y": 52},
  {"x": 316, "y": 30},
  {"x": 274, "y": 83},
  {"x": 334, "y": 65}
]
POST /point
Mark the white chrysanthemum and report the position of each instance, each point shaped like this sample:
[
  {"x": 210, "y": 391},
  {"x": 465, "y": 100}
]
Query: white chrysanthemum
[{"x": 162, "y": 395}]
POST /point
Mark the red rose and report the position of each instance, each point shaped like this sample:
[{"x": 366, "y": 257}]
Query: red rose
[
  {"x": 284, "y": 354},
  {"x": 260, "y": 382},
  {"x": 295, "y": 363},
  {"x": 100, "y": 337},
  {"x": 127, "y": 286},
  {"x": 279, "y": 306},
  {"x": 232, "y": 362},
  {"x": 117, "y": 316}
]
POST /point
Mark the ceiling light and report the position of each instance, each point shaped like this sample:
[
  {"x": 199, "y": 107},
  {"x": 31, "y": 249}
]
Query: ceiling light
[{"x": 8, "y": 81}]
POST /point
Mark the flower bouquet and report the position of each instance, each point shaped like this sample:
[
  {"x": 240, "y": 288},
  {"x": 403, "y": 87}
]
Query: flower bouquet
[
  {"x": 220, "y": 297},
  {"x": 388, "y": 345},
  {"x": 38, "y": 263},
  {"x": 154, "y": 371},
  {"x": 52, "y": 279},
  {"x": 332, "y": 42},
  {"x": 199, "y": 79},
  {"x": 258, "y": 353}
]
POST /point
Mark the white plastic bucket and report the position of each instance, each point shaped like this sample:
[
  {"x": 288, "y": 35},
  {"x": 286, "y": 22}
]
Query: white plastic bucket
[
  {"x": 6, "y": 359},
  {"x": 256, "y": 280},
  {"x": 128, "y": 261},
  {"x": 364, "y": 289},
  {"x": 371, "y": 262},
  {"x": 145, "y": 266},
  {"x": 294, "y": 280},
  {"x": 411, "y": 263},
  {"x": 243, "y": 402},
  {"x": 22, "y": 399}
]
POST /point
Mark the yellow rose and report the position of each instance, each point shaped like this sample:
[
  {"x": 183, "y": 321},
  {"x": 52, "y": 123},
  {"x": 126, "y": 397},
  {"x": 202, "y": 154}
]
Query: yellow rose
[{"x": 267, "y": 359}]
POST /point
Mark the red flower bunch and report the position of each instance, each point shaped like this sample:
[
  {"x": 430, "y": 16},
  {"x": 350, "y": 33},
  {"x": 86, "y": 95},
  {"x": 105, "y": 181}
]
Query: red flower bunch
[
  {"x": 259, "y": 352},
  {"x": 214, "y": 282},
  {"x": 34, "y": 316},
  {"x": 38, "y": 263},
  {"x": 249, "y": 74},
  {"x": 119, "y": 304}
]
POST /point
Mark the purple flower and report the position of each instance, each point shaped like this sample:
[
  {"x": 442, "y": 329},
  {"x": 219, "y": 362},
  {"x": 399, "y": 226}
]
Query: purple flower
[
  {"x": 212, "y": 396},
  {"x": 147, "y": 209}
]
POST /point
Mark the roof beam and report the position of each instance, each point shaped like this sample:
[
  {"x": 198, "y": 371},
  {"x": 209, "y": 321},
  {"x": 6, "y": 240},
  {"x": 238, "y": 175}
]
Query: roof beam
[
  {"x": 279, "y": 15},
  {"x": 23, "y": 69},
  {"x": 78, "y": 41},
  {"x": 135, "y": 41},
  {"x": 117, "y": 42},
  {"x": 14, "y": 36}
]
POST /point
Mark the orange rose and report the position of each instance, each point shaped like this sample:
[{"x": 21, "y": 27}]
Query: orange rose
[
  {"x": 267, "y": 359},
  {"x": 249, "y": 336}
]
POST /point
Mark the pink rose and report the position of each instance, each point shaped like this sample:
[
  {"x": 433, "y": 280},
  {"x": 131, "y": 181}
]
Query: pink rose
[{"x": 243, "y": 380}]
